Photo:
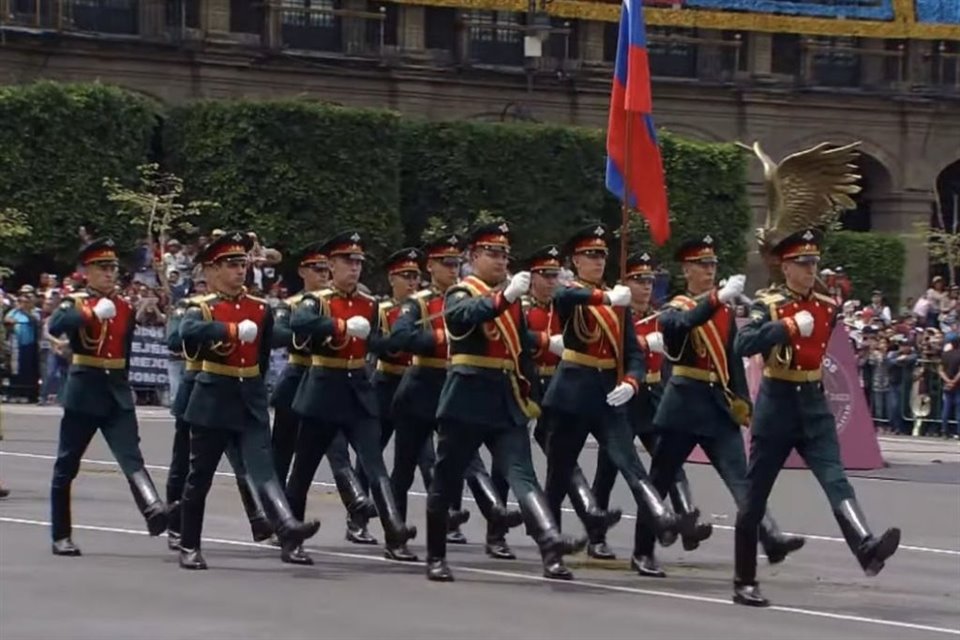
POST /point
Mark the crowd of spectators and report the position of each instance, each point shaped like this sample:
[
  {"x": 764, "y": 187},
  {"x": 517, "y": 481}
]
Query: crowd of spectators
[
  {"x": 33, "y": 363},
  {"x": 909, "y": 359},
  {"x": 907, "y": 356}
]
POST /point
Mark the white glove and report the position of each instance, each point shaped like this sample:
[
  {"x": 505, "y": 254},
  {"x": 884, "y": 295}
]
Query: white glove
[
  {"x": 621, "y": 394},
  {"x": 105, "y": 309},
  {"x": 619, "y": 296},
  {"x": 519, "y": 285},
  {"x": 804, "y": 320},
  {"x": 358, "y": 327},
  {"x": 247, "y": 331},
  {"x": 531, "y": 424},
  {"x": 655, "y": 342},
  {"x": 732, "y": 290},
  {"x": 556, "y": 344}
]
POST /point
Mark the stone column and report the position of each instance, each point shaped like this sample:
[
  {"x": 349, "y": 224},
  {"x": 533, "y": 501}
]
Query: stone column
[
  {"x": 354, "y": 29},
  {"x": 413, "y": 28},
  {"x": 215, "y": 16},
  {"x": 709, "y": 56},
  {"x": 872, "y": 66},
  {"x": 152, "y": 18},
  {"x": 919, "y": 65},
  {"x": 591, "y": 41},
  {"x": 904, "y": 214},
  {"x": 760, "y": 52}
]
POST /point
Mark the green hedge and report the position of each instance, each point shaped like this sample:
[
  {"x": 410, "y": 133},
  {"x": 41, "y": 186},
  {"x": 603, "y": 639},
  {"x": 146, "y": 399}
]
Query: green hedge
[
  {"x": 295, "y": 171},
  {"x": 871, "y": 260},
  {"x": 549, "y": 180},
  {"x": 57, "y": 143}
]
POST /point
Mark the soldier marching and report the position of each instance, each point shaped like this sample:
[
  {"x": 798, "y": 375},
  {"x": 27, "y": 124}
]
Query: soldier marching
[{"x": 478, "y": 361}]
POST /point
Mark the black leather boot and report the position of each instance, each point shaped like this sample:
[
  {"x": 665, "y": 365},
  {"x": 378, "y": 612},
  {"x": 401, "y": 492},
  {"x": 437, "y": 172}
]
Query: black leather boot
[
  {"x": 553, "y": 545},
  {"x": 148, "y": 501},
  {"x": 499, "y": 518},
  {"x": 296, "y": 555},
  {"x": 395, "y": 531},
  {"x": 776, "y": 544},
  {"x": 871, "y": 552},
  {"x": 60, "y": 523},
  {"x": 190, "y": 532},
  {"x": 745, "y": 588},
  {"x": 647, "y": 566},
  {"x": 174, "y": 517},
  {"x": 599, "y": 549},
  {"x": 437, "y": 569},
  {"x": 260, "y": 527},
  {"x": 665, "y": 524},
  {"x": 357, "y": 531},
  {"x": 749, "y": 595},
  {"x": 359, "y": 507},
  {"x": 595, "y": 520},
  {"x": 290, "y": 531},
  {"x": 693, "y": 532}
]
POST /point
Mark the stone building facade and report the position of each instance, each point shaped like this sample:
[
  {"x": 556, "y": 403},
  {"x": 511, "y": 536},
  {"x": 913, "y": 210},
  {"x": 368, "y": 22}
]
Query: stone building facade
[{"x": 789, "y": 85}]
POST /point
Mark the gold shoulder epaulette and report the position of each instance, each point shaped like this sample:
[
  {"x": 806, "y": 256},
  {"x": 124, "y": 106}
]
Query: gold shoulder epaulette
[
  {"x": 386, "y": 305},
  {"x": 367, "y": 295},
  {"x": 203, "y": 297},
  {"x": 293, "y": 300},
  {"x": 78, "y": 295},
  {"x": 824, "y": 298},
  {"x": 423, "y": 293},
  {"x": 260, "y": 300},
  {"x": 771, "y": 297}
]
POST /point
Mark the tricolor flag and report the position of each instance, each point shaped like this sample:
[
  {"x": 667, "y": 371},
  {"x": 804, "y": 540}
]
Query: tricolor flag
[{"x": 634, "y": 166}]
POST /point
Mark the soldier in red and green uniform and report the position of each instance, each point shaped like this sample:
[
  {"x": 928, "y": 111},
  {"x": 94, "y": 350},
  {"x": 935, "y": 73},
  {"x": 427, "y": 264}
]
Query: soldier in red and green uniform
[
  {"x": 706, "y": 399},
  {"x": 340, "y": 325},
  {"x": 420, "y": 331},
  {"x": 180, "y": 455},
  {"x": 600, "y": 371},
  {"x": 790, "y": 326},
  {"x": 640, "y": 276},
  {"x": 99, "y": 325},
  {"x": 231, "y": 333},
  {"x": 314, "y": 270},
  {"x": 486, "y": 399},
  {"x": 543, "y": 323}
]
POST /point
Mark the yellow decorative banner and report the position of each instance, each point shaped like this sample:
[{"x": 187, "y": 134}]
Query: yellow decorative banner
[{"x": 904, "y": 24}]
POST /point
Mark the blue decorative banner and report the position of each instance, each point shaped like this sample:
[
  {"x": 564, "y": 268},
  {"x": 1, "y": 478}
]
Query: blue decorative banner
[
  {"x": 938, "y": 11},
  {"x": 849, "y": 9}
]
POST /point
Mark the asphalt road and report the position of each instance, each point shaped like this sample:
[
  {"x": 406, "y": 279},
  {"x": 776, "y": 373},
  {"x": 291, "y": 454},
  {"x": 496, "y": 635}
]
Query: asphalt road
[{"x": 128, "y": 585}]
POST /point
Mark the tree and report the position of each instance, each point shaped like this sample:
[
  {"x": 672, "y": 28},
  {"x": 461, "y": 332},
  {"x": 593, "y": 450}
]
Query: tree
[
  {"x": 156, "y": 206},
  {"x": 943, "y": 239},
  {"x": 13, "y": 226}
]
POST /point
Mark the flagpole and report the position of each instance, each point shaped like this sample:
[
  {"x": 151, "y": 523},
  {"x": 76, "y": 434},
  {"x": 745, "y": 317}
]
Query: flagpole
[{"x": 624, "y": 223}]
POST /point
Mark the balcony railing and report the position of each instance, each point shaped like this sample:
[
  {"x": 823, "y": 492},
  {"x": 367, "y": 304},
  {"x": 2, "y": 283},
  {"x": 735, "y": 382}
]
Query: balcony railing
[
  {"x": 847, "y": 66},
  {"x": 324, "y": 29},
  {"x": 118, "y": 17},
  {"x": 894, "y": 67}
]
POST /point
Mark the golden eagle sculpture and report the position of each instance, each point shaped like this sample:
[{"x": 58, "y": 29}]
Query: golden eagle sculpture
[{"x": 807, "y": 189}]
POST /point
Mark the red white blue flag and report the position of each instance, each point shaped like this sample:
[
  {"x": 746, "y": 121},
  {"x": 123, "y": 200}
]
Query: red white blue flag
[{"x": 634, "y": 166}]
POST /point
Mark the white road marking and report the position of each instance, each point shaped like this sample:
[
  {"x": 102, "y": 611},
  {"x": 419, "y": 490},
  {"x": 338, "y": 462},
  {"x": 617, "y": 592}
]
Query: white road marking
[
  {"x": 534, "y": 578},
  {"x": 420, "y": 494}
]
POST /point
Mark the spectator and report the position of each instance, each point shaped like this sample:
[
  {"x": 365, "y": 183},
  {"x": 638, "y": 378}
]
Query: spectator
[
  {"x": 935, "y": 297},
  {"x": 949, "y": 371},
  {"x": 24, "y": 329},
  {"x": 899, "y": 368},
  {"x": 57, "y": 358},
  {"x": 879, "y": 310},
  {"x": 879, "y": 379},
  {"x": 148, "y": 309},
  {"x": 178, "y": 288}
]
